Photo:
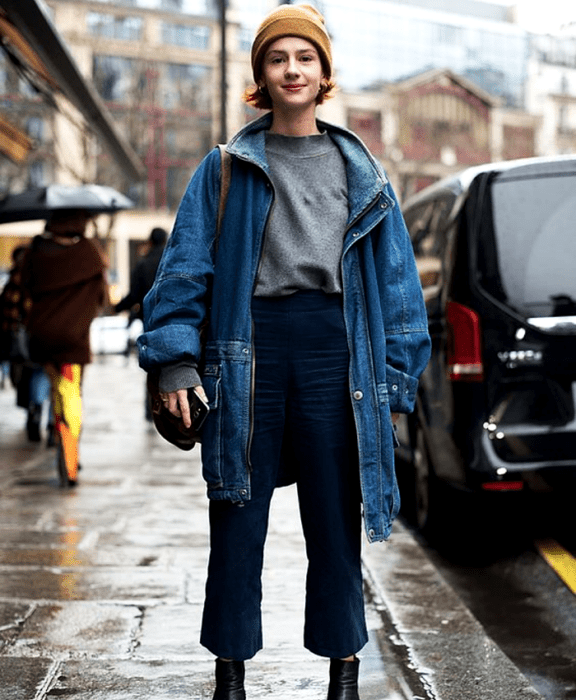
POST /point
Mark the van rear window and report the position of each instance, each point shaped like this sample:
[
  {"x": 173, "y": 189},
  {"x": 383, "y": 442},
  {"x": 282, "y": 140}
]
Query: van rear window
[{"x": 534, "y": 236}]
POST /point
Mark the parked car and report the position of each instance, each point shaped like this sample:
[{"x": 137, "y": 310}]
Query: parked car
[
  {"x": 496, "y": 250},
  {"x": 111, "y": 335}
]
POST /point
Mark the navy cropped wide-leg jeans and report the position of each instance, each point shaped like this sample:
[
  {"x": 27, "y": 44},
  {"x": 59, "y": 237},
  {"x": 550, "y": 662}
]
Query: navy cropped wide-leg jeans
[{"x": 302, "y": 400}]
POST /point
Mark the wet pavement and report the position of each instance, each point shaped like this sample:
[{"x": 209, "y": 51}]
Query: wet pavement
[{"x": 101, "y": 587}]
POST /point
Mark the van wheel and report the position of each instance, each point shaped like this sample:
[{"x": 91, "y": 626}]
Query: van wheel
[
  {"x": 430, "y": 511},
  {"x": 448, "y": 519}
]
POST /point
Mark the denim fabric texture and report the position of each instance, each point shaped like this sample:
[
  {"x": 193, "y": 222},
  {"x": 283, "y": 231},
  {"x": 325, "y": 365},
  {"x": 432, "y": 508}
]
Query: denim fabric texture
[
  {"x": 39, "y": 385},
  {"x": 301, "y": 403},
  {"x": 384, "y": 312}
]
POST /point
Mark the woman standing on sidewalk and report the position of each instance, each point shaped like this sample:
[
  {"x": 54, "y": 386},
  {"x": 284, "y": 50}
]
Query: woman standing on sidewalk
[{"x": 316, "y": 335}]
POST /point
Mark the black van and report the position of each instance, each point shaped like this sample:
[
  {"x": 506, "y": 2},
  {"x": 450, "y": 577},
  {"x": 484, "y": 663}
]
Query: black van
[{"x": 496, "y": 250}]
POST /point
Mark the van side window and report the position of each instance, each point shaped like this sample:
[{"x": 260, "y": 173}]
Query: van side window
[
  {"x": 418, "y": 223},
  {"x": 427, "y": 225}
]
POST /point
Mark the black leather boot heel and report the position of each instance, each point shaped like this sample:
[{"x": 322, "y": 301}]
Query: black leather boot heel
[
  {"x": 229, "y": 680},
  {"x": 343, "y": 680}
]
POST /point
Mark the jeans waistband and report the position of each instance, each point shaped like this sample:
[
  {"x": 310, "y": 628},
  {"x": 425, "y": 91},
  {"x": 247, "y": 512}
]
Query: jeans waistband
[{"x": 304, "y": 300}]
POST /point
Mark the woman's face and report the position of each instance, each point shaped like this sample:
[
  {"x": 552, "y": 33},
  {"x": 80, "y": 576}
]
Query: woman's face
[{"x": 292, "y": 74}]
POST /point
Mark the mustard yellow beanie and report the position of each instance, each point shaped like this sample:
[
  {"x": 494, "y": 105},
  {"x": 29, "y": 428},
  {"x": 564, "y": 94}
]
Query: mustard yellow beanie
[{"x": 292, "y": 20}]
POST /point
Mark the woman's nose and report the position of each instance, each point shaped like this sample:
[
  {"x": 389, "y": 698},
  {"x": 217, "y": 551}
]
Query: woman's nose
[{"x": 292, "y": 67}]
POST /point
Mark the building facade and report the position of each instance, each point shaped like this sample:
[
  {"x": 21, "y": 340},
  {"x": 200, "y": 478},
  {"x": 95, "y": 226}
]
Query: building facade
[
  {"x": 551, "y": 91},
  {"x": 432, "y": 125},
  {"x": 156, "y": 69},
  {"x": 430, "y": 85},
  {"x": 388, "y": 41}
]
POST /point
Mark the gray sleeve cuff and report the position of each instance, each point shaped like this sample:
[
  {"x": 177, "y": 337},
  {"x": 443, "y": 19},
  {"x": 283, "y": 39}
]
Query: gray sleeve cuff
[{"x": 180, "y": 375}]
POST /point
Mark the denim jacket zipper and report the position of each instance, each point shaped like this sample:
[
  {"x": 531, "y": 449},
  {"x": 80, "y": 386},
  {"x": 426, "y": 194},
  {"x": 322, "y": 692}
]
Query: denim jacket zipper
[{"x": 253, "y": 361}]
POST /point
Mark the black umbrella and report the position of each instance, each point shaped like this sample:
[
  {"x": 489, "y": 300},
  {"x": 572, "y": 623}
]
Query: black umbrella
[{"x": 39, "y": 202}]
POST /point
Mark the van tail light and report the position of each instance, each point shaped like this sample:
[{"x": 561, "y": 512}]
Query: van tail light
[{"x": 464, "y": 344}]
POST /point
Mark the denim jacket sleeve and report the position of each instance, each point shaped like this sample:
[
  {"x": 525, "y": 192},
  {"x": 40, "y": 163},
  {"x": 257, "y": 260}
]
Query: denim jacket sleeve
[
  {"x": 405, "y": 318},
  {"x": 175, "y": 306}
]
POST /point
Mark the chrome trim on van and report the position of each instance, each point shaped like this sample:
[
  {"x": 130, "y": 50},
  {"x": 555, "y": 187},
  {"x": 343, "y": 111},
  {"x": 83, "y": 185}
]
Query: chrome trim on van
[{"x": 561, "y": 325}]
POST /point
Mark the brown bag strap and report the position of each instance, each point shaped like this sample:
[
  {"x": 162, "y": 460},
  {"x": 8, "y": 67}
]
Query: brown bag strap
[{"x": 225, "y": 177}]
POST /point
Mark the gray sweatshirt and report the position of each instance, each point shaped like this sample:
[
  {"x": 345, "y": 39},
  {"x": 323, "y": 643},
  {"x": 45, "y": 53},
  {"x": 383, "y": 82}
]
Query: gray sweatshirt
[{"x": 303, "y": 241}]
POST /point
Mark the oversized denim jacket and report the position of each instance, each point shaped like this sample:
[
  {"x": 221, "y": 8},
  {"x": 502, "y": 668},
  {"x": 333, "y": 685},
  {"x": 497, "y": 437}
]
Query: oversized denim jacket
[{"x": 201, "y": 279}]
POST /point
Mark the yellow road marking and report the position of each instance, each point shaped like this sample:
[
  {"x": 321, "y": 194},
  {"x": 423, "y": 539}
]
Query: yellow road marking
[{"x": 563, "y": 563}]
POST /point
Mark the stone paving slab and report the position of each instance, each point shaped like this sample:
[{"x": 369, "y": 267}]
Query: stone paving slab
[
  {"x": 79, "y": 629},
  {"x": 101, "y": 587},
  {"x": 98, "y": 557},
  {"x": 24, "y": 679},
  {"x": 138, "y": 586}
]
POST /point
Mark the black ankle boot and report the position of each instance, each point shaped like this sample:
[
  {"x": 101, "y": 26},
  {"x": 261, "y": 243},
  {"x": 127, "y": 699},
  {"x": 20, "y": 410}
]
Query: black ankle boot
[
  {"x": 229, "y": 680},
  {"x": 50, "y": 435},
  {"x": 343, "y": 680},
  {"x": 33, "y": 422}
]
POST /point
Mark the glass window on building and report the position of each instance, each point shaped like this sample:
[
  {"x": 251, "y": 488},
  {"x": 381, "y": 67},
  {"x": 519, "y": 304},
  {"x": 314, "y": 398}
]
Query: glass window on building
[
  {"x": 191, "y": 7},
  {"x": 37, "y": 174},
  {"x": 556, "y": 50},
  {"x": 389, "y": 41},
  {"x": 245, "y": 38},
  {"x": 118, "y": 79},
  {"x": 186, "y": 86},
  {"x": 126, "y": 3},
  {"x": 171, "y": 5},
  {"x": 189, "y": 36},
  {"x": 3, "y": 74},
  {"x": 4, "y": 81},
  {"x": 449, "y": 34},
  {"x": 114, "y": 27},
  {"x": 35, "y": 128},
  {"x": 26, "y": 89}
]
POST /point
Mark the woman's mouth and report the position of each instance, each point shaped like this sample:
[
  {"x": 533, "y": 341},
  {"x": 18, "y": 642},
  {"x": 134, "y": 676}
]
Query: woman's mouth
[{"x": 293, "y": 88}]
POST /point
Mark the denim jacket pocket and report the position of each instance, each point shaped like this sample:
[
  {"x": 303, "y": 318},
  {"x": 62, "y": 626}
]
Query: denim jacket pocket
[
  {"x": 211, "y": 378},
  {"x": 212, "y": 430}
]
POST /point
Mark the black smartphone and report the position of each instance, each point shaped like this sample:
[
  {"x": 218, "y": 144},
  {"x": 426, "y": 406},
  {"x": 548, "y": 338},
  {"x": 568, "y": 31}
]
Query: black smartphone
[{"x": 199, "y": 409}]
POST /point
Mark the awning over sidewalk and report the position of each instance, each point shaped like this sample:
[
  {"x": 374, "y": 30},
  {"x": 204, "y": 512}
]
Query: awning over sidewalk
[
  {"x": 27, "y": 26},
  {"x": 13, "y": 142}
]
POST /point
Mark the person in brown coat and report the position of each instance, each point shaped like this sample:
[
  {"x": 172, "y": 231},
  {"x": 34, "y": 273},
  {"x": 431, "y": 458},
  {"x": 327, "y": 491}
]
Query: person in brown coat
[
  {"x": 65, "y": 275},
  {"x": 29, "y": 379}
]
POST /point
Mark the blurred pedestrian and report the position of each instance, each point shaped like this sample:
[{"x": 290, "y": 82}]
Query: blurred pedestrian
[
  {"x": 64, "y": 273},
  {"x": 141, "y": 281},
  {"x": 315, "y": 336},
  {"x": 30, "y": 380},
  {"x": 14, "y": 308},
  {"x": 142, "y": 277}
]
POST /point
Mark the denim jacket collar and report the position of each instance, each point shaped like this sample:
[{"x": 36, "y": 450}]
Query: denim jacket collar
[{"x": 366, "y": 178}]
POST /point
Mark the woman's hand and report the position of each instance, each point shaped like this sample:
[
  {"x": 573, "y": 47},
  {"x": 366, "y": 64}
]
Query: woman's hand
[{"x": 178, "y": 405}]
